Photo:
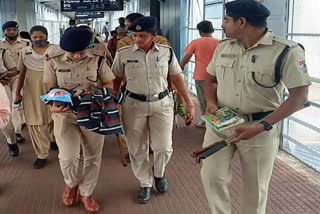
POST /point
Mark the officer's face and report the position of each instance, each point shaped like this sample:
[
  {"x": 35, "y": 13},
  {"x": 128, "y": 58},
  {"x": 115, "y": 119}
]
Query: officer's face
[
  {"x": 229, "y": 26},
  {"x": 11, "y": 32},
  {"x": 142, "y": 38},
  {"x": 76, "y": 56},
  {"x": 38, "y": 35}
]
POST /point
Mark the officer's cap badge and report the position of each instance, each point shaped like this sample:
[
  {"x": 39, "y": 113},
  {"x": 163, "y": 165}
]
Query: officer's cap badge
[{"x": 138, "y": 27}]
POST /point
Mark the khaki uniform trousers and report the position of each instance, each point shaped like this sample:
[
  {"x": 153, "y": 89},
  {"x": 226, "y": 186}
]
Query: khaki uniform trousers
[
  {"x": 257, "y": 157},
  {"x": 8, "y": 130},
  {"x": 69, "y": 136},
  {"x": 148, "y": 123},
  {"x": 40, "y": 140},
  {"x": 17, "y": 113}
]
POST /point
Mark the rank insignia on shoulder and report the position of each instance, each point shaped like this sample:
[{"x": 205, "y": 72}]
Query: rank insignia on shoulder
[
  {"x": 227, "y": 55},
  {"x": 64, "y": 70},
  {"x": 132, "y": 61},
  {"x": 302, "y": 64}
]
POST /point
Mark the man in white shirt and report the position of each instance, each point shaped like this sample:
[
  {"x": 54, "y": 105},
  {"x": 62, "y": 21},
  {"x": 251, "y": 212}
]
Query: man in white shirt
[{"x": 106, "y": 31}]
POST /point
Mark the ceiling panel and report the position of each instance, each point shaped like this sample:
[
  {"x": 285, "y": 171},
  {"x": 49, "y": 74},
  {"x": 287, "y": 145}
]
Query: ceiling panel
[{"x": 55, "y": 5}]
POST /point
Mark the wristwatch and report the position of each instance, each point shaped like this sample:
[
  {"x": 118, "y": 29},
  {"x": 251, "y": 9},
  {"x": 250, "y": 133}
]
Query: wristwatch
[{"x": 267, "y": 126}]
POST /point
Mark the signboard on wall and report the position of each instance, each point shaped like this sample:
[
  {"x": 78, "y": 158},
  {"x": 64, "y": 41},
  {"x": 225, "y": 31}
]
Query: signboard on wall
[
  {"x": 91, "y": 5},
  {"x": 89, "y": 14}
]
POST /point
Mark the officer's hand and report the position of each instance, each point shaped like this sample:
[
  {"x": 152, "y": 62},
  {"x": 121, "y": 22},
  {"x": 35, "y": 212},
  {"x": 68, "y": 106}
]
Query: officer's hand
[
  {"x": 189, "y": 109},
  {"x": 249, "y": 131},
  {"x": 61, "y": 109},
  {"x": 18, "y": 98},
  {"x": 5, "y": 81},
  {"x": 211, "y": 108}
]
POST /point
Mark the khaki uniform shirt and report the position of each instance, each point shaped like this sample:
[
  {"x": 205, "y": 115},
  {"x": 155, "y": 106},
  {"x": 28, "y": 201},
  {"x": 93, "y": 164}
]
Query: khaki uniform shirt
[
  {"x": 60, "y": 69},
  {"x": 233, "y": 65},
  {"x": 146, "y": 73},
  {"x": 15, "y": 47},
  {"x": 101, "y": 47},
  {"x": 129, "y": 41},
  {"x": 6, "y": 61}
]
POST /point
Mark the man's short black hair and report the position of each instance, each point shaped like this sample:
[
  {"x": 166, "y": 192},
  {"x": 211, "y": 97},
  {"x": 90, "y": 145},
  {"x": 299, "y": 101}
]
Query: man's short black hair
[
  {"x": 25, "y": 35},
  {"x": 113, "y": 31},
  {"x": 72, "y": 22},
  {"x": 133, "y": 16},
  {"x": 39, "y": 28},
  {"x": 205, "y": 27}
]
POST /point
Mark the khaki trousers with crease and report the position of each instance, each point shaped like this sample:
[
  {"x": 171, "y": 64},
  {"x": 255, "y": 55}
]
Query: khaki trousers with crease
[
  {"x": 148, "y": 123},
  {"x": 69, "y": 136},
  {"x": 257, "y": 157}
]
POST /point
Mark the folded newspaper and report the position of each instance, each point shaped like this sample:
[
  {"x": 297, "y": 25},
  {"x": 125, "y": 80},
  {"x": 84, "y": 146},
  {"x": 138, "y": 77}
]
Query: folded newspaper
[{"x": 224, "y": 118}]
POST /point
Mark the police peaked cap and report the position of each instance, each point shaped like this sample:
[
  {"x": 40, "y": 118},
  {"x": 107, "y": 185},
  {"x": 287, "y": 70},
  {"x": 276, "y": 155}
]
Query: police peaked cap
[
  {"x": 147, "y": 23},
  {"x": 75, "y": 39},
  {"x": 10, "y": 24},
  {"x": 246, "y": 8}
]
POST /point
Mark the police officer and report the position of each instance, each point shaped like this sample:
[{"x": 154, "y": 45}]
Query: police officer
[
  {"x": 148, "y": 108},
  {"x": 243, "y": 67},
  {"x": 14, "y": 44},
  {"x": 8, "y": 70},
  {"x": 128, "y": 40},
  {"x": 75, "y": 69}
]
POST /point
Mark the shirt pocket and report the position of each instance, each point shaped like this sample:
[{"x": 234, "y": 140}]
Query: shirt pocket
[
  {"x": 162, "y": 68},
  {"x": 63, "y": 77},
  {"x": 133, "y": 70},
  {"x": 261, "y": 75},
  {"x": 223, "y": 68},
  {"x": 92, "y": 75}
]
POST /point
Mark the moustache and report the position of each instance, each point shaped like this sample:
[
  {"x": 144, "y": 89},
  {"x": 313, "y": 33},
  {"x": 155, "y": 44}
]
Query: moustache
[{"x": 11, "y": 37}]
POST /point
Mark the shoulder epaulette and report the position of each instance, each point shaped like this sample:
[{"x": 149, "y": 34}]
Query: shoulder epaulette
[
  {"x": 54, "y": 54},
  {"x": 224, "y": 40},
  {"x": 125, "y": 47},
  {"x": 27, "y": 41},
  {"x": 162, "y": 45},
  {"x": 97, "y": 52},
  {"x": 285, "y": 42}
]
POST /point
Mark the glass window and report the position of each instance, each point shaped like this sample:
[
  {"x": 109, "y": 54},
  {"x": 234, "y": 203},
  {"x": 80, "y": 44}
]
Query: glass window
[
  {"x": 213, "y": 1},
  {"x": 214, "y": 13},
  {"x": 211, "y": 10},
  {"x": 301, "y": 132}
]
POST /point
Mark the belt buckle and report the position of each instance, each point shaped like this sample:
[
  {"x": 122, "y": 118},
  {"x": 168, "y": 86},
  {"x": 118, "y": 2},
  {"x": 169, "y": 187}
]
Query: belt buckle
[
  {"x": 152, "y": 98},
  {"x": 247, "y": 117}
]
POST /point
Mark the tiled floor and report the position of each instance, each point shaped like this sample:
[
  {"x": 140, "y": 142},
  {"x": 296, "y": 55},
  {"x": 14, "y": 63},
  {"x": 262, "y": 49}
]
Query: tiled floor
[{"x": 24, "y": 190}]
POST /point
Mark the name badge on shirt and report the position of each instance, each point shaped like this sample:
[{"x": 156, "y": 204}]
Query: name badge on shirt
[
  {"x": 64, "y": 70},
  {"x": 28, "y": 53},
  {"x": 132, "y": 61},
  {"x": 228, "y": 55}
]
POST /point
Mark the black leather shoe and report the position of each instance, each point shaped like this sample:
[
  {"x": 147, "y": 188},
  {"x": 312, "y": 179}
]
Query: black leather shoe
[
  {"x": 127, "y": 157},
  {"x": 161, "y": 184},
  {"x": 20, "y": 138},
  {"x": 39, "y": 163},
  {"x": 53, "y": 146},
  {"x": 24, "y": 125},
  {"x": 13, "y": 150},
  {"x": 150, "y": 151},
  {"x": 144, "y": 195}
]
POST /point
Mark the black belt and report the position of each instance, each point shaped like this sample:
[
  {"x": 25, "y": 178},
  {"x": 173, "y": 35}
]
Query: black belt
[
  {"x": 150, "y": 98},
  {"x": 258, "y": 115}
]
